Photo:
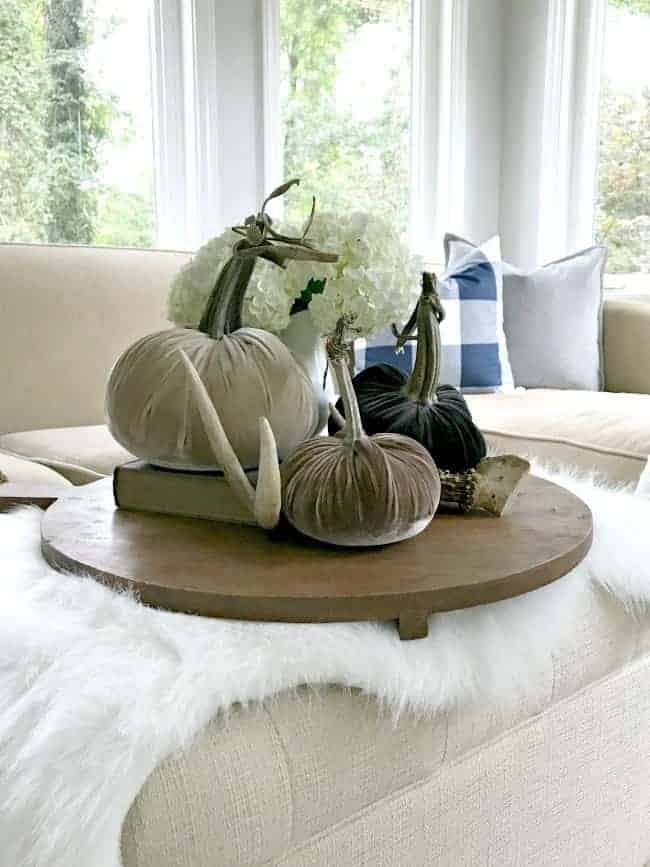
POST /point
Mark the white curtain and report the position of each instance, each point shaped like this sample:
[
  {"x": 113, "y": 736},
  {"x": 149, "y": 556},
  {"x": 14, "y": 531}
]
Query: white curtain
[
  {"x": 552, "y": 70},
  {"x": 210, "y": 60},
  {"x": 504, "y": 121}
]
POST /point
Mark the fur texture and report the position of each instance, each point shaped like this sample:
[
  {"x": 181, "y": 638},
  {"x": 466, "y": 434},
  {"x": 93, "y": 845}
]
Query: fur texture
[
  {"x": 643, "y": 488},
  {"x": 95, "y": 689}
]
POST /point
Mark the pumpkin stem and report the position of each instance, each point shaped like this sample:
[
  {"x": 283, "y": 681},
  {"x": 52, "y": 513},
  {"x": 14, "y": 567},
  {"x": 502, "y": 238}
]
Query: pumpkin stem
[
  {"x": 338, "y": 356},
  {"x": 423, "y": 382},
  {"x": 222, "y": 313}
]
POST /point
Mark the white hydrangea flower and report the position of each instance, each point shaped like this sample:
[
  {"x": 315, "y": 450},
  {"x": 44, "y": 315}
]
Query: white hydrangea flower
[
  {"x": 192, "y": 285},
  {"x": 376, "y": 278},
  {"x": 268, "y": 301}
]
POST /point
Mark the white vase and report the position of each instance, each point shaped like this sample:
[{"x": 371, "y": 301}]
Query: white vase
[{"x": 308, "y": 347}]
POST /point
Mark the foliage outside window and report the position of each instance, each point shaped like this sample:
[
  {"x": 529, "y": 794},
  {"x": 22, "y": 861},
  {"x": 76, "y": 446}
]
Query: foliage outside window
[
  {"x": 76, "y": 163},
  {"x": 346, "y": 89},
  {"x": 623, "y": 207}
]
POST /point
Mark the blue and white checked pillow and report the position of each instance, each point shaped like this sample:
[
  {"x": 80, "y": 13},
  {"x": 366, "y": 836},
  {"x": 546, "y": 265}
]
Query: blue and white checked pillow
[{"x": 474, "y": 356}]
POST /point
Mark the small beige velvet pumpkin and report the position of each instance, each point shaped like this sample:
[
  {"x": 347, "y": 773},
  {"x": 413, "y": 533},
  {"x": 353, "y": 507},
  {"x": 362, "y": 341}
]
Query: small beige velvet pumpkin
[{"x": 356, "y": 489}]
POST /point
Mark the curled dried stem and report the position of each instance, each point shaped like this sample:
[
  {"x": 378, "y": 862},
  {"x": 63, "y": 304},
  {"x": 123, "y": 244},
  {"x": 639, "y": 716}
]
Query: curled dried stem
[{"x": 263, "y": 241}]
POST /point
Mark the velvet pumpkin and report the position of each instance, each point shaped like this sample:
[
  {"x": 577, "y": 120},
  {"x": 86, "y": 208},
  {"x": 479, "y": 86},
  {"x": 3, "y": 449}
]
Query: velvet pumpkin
[
  {"x": 435, "y": 415},
  {"x": 356, "y": 489},
  {"x": 248, "y": 373}
]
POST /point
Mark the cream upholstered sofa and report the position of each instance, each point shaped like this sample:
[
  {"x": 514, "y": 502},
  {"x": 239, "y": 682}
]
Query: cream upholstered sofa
[
  {"x": 67, "y": 312},
  {"x": 324, "y": 778}
]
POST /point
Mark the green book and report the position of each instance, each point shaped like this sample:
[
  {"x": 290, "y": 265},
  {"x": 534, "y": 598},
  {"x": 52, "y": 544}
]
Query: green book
[{"x": 141, "y": 487}]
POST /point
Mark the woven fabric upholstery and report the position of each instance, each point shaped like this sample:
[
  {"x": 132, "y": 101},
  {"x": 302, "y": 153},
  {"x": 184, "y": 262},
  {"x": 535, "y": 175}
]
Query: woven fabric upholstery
[
  {"x": 605, "y": 434},
  {"x": 92, "y": 303},
  {"x": 81, "y": 454},
  {"x": 226, "y": 800},
  {"x": 325, "y": 777},
  {"x": 17, "y": 470},
  {"x": 569, "y": 787},
  {"x": 595, "y": 432},
  {"x": 626, "y": 341}
]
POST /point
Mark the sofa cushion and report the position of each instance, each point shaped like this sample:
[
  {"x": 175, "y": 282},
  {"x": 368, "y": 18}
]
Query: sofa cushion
[
  {"x": 66, "y": 314},
  {"x": 81, "y": 454},
  {"x": 595, "y": 432},
  {"x": 17, "y": 470}
]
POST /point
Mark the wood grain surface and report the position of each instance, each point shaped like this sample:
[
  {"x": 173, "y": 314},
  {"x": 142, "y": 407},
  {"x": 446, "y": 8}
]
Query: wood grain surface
[{"x": 236, "y": 571}]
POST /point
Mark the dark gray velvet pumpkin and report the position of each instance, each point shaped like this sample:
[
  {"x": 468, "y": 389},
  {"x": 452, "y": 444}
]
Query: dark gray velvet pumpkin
[{"x": 437, "y": 416}]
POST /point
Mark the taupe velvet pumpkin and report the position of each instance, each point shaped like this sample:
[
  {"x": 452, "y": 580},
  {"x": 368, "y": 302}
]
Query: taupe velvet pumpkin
[
  {"x": 354, "y": 489},
  {"x": 248, "y": 373}
]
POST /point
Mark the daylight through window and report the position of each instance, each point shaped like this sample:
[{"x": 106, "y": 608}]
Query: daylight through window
[
  {"x": 346, "y": 90},
  {"x": 76, "y": 152},
  {"x": 623, "y": 207}
]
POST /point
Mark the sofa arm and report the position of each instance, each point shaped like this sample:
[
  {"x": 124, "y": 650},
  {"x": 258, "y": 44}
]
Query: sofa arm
[{"x": 626, "y": 340}]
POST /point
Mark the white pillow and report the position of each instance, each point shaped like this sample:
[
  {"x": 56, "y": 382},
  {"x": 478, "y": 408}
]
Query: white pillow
[{"x": 553, "y": 322}]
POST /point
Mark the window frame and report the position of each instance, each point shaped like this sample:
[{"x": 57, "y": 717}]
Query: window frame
[
  {"x": 204, "y": 140},
  {"x": 611, "y": 278},
  {"x": 217, "y": 136}
]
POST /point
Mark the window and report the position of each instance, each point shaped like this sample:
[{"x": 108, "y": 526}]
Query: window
[
  {"x": 391, "y": 106},
  {"x": 160, "y": 121},
  {"x": 345, "y": 70},
  {"x": 76, "y": 151},
  {"x": 623, "y": 206}
]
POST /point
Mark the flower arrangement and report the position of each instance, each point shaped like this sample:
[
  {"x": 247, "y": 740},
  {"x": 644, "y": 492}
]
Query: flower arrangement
[{"x": 376, "y": 278}]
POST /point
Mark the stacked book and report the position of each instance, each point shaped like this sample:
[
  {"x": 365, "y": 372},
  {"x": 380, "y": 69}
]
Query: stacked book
[{"x": 141, "y": 487}]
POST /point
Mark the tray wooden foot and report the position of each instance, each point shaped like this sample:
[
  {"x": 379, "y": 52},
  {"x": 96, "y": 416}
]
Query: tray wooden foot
[{"x": 413, "y": 624}]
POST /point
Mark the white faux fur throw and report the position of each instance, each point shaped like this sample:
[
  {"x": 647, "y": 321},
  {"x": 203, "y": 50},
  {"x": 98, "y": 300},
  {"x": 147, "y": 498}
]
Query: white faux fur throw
[{"x": 95, "y": 689}]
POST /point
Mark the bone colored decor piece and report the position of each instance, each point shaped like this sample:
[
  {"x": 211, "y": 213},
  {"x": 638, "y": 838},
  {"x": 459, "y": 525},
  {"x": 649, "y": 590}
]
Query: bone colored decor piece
[
  {"x": 488, "y": 487},
  {"x": 248, "y": 372},
  {"x": 265, "y": 500}
]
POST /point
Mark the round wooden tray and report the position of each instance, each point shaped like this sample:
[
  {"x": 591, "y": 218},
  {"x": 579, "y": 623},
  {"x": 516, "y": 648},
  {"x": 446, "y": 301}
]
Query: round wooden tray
[{"x": 236, "y": 571}]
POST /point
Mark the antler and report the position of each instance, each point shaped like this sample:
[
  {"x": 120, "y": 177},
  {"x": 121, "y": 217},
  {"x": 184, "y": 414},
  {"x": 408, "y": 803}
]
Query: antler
[
  {"x": 268, "y": 494},
  {"x": 264, "y": 501}
]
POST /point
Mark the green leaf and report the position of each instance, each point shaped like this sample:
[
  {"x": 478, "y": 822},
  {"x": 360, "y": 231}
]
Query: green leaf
[{"x": 314, "y": 287}]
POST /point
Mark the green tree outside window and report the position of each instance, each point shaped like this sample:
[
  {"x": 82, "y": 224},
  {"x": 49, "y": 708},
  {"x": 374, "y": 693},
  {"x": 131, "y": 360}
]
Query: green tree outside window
[{"x": 54, "y": 122}]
